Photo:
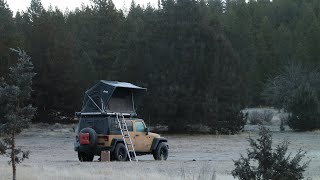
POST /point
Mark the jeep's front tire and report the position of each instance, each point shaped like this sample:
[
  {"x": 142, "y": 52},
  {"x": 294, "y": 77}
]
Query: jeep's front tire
[
  {"x": 161, "y": 153},
  {"x": 84, "y": 157},
  {"x": 120, "y": 153}
]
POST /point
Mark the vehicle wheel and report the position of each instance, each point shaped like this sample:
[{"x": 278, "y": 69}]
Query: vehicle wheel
[
  {"x": 84, "y": 157},
  {"x": 161, "y": 153},
  {"x": 120, "y": 153}
]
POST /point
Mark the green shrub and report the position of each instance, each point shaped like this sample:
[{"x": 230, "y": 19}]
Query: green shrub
[
  {"x": 264, "y": 163},
  {"x": 304, "y": 108}
]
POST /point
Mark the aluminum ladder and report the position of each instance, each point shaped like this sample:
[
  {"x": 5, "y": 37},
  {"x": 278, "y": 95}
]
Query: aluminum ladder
[{"x": 126, "y": 137}]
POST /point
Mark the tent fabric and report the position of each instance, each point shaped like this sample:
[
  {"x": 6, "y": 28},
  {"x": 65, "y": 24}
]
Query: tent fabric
[{"x": 112, "y": 97}]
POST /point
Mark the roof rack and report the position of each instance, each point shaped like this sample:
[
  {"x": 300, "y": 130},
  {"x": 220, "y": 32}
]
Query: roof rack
[{"x": 77, "y": 114}]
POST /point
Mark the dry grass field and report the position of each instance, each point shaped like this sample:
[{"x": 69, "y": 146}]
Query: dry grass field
[{"x": 191, "y": 157}]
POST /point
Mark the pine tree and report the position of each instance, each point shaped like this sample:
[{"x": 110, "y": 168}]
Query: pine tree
[
  {"x": 16, "y": 112},
  {"x": 6, "y": 36},
  {"x": 264, "y": 163}
]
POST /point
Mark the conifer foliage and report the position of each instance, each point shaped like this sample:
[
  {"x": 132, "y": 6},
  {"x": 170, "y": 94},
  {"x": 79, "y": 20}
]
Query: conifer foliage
[
  {"x": 296, "y": 89},
  {"x": 16, "y": 112},
  {"x": 273, "y": 164},
  {"x": 201, "y": 60}
]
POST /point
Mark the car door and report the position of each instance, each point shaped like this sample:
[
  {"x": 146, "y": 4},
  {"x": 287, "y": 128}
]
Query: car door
[{"x": 140, "y": 137}]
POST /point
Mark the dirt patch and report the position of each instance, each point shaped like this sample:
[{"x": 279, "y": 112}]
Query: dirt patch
[{"x": 191, "y": 156}]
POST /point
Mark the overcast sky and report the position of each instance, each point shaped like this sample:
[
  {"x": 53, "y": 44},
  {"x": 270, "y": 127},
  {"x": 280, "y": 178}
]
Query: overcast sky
[{"x": 71, "y": 4}]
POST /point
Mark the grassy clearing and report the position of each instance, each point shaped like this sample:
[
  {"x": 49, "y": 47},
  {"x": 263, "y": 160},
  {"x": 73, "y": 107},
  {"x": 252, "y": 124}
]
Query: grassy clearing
[
  {"x": 78, "y": 173},
  {"x": 87, "y": 171},
  {"x": 191, "y": 157}
]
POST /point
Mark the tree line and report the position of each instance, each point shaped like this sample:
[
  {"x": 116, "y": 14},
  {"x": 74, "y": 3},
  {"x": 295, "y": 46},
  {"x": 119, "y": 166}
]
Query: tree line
[{"x": 201, "y": 60}]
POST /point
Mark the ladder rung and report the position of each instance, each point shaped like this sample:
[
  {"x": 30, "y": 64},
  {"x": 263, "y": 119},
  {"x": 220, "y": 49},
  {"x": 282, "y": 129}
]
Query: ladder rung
[{"x": 125, "y": 134}]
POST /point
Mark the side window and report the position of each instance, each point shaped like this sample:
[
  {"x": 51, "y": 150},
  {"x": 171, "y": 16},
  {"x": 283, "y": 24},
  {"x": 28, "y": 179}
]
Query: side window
[
  {"x": 129, "y": 125},
  {"x": 115, "y": 126},
  {"x": 140, "y": 127}
]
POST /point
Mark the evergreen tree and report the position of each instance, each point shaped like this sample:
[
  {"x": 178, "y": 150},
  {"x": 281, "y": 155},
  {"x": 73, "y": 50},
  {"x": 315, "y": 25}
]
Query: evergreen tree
[
  {"x": 7, "y": 33},
  {"x": 16, "y": 112},
  {"x": 264, "y": 163},
  {"x": 207, "y": 57}
]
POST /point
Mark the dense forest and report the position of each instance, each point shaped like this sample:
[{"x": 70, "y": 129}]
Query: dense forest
[{"x": 201, "y": 60}]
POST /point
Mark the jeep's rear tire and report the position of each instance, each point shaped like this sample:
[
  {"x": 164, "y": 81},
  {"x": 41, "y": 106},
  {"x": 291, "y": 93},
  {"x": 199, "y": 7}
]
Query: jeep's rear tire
[
  {"x": 161, "y": 153},
  {"x": 84, "y": 157},
  {"x": 120, "y": 153}
]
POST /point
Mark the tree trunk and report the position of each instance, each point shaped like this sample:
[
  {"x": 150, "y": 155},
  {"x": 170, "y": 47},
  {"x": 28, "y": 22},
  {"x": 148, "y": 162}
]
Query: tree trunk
[{"x": 13, "y": 156}]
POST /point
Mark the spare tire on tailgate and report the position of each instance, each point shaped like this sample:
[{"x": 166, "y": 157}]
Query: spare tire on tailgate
[{"x": 92, "y": 136}]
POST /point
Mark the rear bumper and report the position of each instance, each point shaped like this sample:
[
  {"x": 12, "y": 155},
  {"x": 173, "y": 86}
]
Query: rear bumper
[{"x": 91, "y": 150}]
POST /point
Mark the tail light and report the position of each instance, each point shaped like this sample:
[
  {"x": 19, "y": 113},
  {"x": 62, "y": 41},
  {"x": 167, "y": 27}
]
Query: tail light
[
  {"x": 84, "y": 138},
  {"x": 106, "y": 138}
]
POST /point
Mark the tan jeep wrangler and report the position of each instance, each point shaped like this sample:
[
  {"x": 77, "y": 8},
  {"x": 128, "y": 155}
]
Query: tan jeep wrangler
[{"x": 100, "y": 131}]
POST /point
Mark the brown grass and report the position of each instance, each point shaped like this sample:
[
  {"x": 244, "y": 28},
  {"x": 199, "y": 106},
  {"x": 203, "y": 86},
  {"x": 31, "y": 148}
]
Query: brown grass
[{"x": 191, "y": 157}]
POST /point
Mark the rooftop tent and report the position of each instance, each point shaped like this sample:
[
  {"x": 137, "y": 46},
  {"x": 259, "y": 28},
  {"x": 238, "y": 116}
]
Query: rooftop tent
[{"x": 112, "y": 97}]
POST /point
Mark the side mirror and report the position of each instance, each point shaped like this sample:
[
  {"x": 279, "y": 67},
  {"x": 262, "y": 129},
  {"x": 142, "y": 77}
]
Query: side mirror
[{"x": 146, "y": 130}]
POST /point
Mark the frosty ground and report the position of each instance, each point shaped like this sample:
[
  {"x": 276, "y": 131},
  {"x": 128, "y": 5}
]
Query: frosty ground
[{"x": 191, "y": 156}]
